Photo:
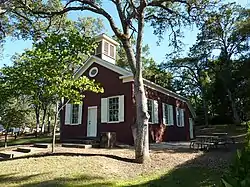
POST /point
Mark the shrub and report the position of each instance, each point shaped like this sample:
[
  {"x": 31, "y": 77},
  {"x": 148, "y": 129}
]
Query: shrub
[{"x": 239, "y": 172}]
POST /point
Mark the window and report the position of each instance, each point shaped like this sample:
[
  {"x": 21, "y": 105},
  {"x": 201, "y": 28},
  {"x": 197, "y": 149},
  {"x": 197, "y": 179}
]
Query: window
[
  {"x": 112, "y": 109},
  {"x": 74, "y": 113},
  {"x": 106, "y": 48},
  {"x": 180, "y": 117},
  {"x": 112, "y": 51},
  {"x": 167, "y": 114},
  {"x": 93, "y": 72},
  {"x": 152, "y": 111}
]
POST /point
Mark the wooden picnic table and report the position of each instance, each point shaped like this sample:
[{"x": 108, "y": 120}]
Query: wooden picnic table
[
  {"x": 207, "y": 141},
  {"x": 220, "y": 133},
  {"x": 225, "y": 137},
  {"x": 206, "y": 136}
]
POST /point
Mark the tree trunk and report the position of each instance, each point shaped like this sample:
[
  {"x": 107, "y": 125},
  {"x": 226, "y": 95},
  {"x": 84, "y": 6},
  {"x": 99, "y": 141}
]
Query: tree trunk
[
  {"x": 205, "y": 107},
  {"x": 43, "y": 119},
  {"x": 54, "y": 130},
  {"x": 142, "y": 144},
  {"x": 5, "y": 138},
  {"x": 48, "y": 123},
  {"x": 233, "y": 106},
  {"x": 37, "y": 111}
]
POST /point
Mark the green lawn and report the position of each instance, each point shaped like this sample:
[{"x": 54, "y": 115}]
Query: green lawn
[
  {"x": 65, "y": 171},
  {"x": 22, "y": 140},
  {"x": 181, "y": 177}
]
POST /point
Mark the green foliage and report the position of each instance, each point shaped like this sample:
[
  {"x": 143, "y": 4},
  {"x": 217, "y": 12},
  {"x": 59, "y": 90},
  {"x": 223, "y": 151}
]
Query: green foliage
[
  {"x": 215, "y": 74},
  {"x": 18, "y": 22},
  {"x": 12, "y": 117},
  {"x": 157, "y": 74},
  {"x": 239, "y": 172},
  {"x": 151, "y": 71},
  {"x": 90, "y": 26},
  {"x": 46, "y": 73}
]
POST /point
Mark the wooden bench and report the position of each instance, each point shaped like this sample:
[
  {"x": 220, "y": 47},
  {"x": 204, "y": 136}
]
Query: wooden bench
[{"x": 201, "y": 144}]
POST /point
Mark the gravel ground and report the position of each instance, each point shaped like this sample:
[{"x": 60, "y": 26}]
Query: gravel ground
[
  {"x": 80, "y": 166},
  {"x": 119, "y": 162}
]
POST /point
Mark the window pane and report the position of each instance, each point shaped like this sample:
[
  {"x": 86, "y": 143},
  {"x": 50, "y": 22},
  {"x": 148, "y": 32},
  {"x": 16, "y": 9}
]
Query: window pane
[
  {"x": 106, "y": 48},
  {"x": 113, "y": 112},
  {"x": 75, "y": 112},
  {"x": 150, "y": 109},
  {"x": 166, "y": 113},
  {"x": 112, "y": 52},
  {"x": 178, "y": 117}
]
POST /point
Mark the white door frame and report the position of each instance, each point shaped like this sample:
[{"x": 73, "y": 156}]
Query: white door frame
[
  {"x": 191, "y": 128},
  {"x": 92, "y": 124}
]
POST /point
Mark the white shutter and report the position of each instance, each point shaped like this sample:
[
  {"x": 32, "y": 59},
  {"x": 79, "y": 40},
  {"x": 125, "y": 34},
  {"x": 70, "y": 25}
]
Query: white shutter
[
  {"x": 170, "y": 115},
  {"x": 155, "y": 107},
  {"x": 163, "y": 114},
  {"x": 80, "y": 114},
  {"x": 104, "y": 110},
  {"x": 182, "y": 117},
  {"x": 177, "y": 119},
  {"x": 67, "y": 114},
  {"x": 121, "y": 108}
]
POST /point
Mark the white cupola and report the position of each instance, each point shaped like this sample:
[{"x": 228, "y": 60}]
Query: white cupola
[{"x": 106, "y": 49}]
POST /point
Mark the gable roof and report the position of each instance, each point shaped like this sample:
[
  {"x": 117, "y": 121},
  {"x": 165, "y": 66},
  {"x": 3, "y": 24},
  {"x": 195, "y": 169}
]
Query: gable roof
[
  {"x": 127, "y": 76},
  {"x": 104, "y": 63}
]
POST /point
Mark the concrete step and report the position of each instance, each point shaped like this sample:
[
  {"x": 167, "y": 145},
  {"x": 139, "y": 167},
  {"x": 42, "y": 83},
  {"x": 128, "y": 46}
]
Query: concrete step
[
  {"x": 84, "y": 146},
  {"x": 23, "y": 150},
  {"x": 6, "y": 155},
  {"x": 42, "y": 145},
  {"x": 82, "y": 141}
]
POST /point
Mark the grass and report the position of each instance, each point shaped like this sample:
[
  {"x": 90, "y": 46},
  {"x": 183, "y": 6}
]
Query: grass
[
  {"x": 181, "y": 177},
  {"x": 67, "y": 171},
  {"x": 24, "y": 140},
  {"x": 231, "y": 129},
  {"x": 64, "y": 170}
]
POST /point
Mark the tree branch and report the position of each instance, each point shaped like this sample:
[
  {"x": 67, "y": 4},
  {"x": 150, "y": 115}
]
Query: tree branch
[{"x": 122, "y": 16}]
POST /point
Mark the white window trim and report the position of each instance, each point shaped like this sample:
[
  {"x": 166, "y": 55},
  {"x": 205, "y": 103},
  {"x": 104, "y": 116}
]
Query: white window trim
[
  {"x": 93, "y": 68},
  {"x": 181, "y": 120},
  {"x": 155, "y": 119},
  {"x": 168, "y": 120},
  {"x": 108, "y": 109},
  {"x": 71, "y": 115},
  {"x": 110, "y": 51},
  {"x": 152, "y": 111},
  {"x": 73, "y": 124},
  {"x": 107, "y": 54}
]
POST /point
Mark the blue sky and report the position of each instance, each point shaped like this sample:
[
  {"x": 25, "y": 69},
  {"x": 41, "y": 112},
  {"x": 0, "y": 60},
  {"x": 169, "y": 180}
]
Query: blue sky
[{"x": 157, "y": 52}]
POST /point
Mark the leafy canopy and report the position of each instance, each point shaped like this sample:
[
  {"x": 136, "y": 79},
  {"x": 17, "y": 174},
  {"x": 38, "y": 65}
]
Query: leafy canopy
[{"x": 47, "y": 70}]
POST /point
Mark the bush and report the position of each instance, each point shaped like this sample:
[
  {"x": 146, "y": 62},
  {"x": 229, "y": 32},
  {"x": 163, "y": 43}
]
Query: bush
[{"x": 239, "y": 173}]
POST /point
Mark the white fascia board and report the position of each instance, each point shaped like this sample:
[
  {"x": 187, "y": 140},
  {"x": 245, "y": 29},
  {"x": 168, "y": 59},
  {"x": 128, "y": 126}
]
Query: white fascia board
[
  {"x": 108, "y": 65},
  {"x": 104, "y": 36},
  {"x": 153, "y": 86}
]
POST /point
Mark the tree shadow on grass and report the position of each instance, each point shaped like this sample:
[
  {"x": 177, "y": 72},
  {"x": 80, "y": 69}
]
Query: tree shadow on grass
[
  {"x": 184, "y": 177},
  {"x": 26, "y": 181},
  {"x": 202, "y": 171},
  {"x": 205, "y": 170},
  {"x": 82, "y": 180},
  {"x": 124, "y": 159}
]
